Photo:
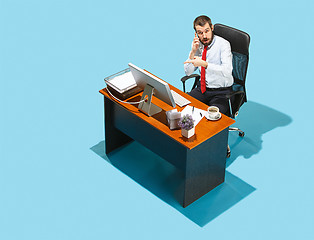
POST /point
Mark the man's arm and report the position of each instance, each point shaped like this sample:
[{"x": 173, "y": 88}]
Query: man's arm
[{"x": 189, "y": 66}]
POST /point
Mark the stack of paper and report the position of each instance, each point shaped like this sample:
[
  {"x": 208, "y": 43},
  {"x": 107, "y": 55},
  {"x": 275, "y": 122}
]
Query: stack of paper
[{"x": 122, "y": 83}]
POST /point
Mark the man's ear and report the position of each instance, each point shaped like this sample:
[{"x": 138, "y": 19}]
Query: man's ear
[{"x": 213, "y": 27}]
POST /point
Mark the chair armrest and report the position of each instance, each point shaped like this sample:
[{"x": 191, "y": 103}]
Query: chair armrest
[
  {"x": 188, "y": 77},
  {"x": 196, "y": 76}
]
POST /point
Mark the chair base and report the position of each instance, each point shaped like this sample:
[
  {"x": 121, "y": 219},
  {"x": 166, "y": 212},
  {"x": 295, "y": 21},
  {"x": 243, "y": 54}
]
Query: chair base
[
  {"x": 228, "y": 152},
  {"x": 233, "y": 129},
  {"x": 241, "y": 134}
]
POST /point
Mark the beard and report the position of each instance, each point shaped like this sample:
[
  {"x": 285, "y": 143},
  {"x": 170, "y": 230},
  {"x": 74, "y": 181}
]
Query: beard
[{"x": 207, "y": 41}]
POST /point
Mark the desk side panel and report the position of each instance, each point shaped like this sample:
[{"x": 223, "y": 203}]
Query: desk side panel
[
  {"x": 149, "y": 136},
  {"x": 205, "y": 167}
]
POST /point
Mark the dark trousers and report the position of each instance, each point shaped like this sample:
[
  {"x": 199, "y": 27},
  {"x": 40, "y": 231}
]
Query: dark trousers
[{"x": 213, "y": 97}]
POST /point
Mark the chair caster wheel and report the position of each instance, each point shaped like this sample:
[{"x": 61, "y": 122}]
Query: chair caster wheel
[{"x": 241, "y": 134}]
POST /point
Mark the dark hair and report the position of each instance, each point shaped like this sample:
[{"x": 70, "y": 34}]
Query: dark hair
[{"x": 202, "y": 20}]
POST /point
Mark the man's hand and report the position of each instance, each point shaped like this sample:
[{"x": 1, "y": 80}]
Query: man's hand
[
  {"x": 198, "y": 62},
  {"x": 195, "y": 44}
]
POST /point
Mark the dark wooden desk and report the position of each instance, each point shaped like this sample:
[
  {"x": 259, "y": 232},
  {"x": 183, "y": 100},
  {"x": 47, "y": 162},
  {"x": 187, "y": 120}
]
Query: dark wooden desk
[{"x": 202, "y": 158}]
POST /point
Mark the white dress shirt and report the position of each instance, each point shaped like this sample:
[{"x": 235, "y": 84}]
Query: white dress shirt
[{"x": 219, "y": 58}]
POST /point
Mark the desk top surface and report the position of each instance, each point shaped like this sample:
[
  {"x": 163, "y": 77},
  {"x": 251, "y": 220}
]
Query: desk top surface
[{"x": 203, "y": 130}]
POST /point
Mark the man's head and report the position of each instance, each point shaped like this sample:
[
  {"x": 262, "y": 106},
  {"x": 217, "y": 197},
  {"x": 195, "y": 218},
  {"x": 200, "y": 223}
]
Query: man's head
[{"x": 204, "y": 29}]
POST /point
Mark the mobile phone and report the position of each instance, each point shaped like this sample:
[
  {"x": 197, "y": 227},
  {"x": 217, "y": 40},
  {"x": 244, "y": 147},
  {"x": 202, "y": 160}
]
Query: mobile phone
[{"x": 197, "y": 35}]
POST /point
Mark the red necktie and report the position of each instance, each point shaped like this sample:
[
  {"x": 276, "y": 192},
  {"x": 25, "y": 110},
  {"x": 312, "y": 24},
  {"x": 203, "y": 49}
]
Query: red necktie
[{"x": 203, "y": 83}]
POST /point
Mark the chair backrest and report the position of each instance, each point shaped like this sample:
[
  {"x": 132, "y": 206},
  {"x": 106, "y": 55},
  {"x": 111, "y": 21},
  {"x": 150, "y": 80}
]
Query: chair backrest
[{"x": 239, "y": 42}]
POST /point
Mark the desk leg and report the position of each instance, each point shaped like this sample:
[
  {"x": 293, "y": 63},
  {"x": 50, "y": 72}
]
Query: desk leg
[
  {"x": 114, "y": 138},
  {"x": 205, "y": 167}
]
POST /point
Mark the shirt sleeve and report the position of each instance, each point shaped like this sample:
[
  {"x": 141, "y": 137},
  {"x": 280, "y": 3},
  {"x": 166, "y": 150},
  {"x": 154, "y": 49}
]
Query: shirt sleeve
[
  {"x": 189, "y": 68},
  {"x": 225, "y": 68}
]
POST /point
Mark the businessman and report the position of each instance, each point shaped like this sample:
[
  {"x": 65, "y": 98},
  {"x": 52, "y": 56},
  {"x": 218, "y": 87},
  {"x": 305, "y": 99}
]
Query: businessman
[{"x": 212, "y": 55}]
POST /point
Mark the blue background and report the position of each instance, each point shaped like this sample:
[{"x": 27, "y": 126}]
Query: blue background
[{"x": 57, "y": 183}]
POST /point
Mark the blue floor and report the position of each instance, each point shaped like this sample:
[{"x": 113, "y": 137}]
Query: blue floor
[{"x": 57, "y": 183}]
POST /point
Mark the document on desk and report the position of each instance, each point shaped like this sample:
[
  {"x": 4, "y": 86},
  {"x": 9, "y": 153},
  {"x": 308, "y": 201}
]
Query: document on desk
[{"x": 197, "y": 114}]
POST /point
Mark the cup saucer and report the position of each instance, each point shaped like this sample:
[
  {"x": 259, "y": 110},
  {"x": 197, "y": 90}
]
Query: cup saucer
[{"x": 213, "y": 119}]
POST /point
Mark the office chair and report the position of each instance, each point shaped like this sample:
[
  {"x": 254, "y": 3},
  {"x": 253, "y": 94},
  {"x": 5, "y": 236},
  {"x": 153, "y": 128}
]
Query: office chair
[{"x": 239, "y": 42}]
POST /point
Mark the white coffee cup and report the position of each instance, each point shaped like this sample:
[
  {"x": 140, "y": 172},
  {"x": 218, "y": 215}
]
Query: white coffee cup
[{"x": 213, "y": 112}]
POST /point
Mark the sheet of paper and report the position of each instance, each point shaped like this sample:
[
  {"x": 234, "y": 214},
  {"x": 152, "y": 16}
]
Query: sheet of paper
[{"x": 197, "y": 114}]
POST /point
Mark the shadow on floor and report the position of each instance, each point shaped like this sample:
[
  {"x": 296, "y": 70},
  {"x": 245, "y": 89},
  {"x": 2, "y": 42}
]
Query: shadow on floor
[
  {"x": 255, "y": 120},
  {"x": 165, "y": 181}
]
